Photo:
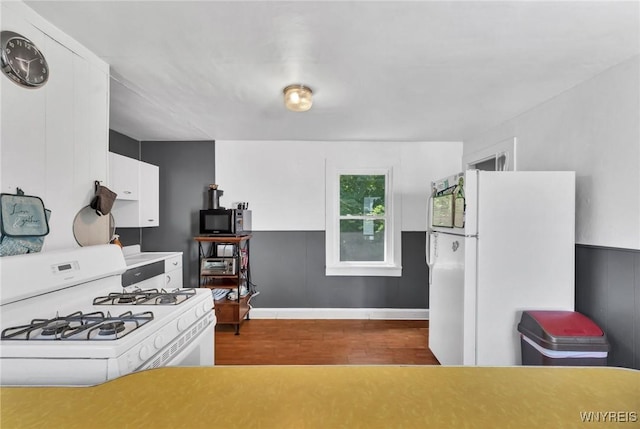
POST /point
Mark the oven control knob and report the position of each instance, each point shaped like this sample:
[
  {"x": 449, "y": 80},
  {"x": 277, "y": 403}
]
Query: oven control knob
[
  {"x": 183, "y": 324},
  {"x": 144, "y": 353},
  {"x": 206, "y": 307},
  {"x": 202, "y": 310},
  {"x": 158, "y": 342}
]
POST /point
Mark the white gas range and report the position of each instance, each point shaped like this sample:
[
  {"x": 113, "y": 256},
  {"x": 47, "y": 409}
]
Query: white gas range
[{"x": 67, "y": 320}]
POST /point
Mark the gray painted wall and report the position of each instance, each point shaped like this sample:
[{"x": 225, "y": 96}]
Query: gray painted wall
[
  {"x": 288, "y": 269},
  {"x": 608, "y": 292},
  {"x": 123, "y": 145},
  {"x": 186, "y": 170}
]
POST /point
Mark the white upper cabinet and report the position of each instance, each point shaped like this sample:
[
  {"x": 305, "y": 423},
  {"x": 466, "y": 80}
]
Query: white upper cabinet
[
  {"x": 149, "y": 194},
  {"x": 138, "y": 187},
  {"x": 123, "y": 176}
]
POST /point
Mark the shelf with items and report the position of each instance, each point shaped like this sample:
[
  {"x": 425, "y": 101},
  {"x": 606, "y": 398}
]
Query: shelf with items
[
  {"x": 216, "y": 282},
  {"x": 232, "y": 312},
  {"x": 224, "y": 264}
]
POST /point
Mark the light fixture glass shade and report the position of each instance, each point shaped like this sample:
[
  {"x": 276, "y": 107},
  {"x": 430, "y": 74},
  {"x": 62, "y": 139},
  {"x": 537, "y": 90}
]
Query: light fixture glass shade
[{"x": 297, "y": 98}]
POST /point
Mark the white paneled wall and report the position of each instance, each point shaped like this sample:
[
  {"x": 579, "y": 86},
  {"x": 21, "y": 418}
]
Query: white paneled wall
[
  {"x": 422, "y": 163},
  {"x": 284, "y": 181},
  {"x": 54, "y": 139},
  {"x": 594, "y": 130}
]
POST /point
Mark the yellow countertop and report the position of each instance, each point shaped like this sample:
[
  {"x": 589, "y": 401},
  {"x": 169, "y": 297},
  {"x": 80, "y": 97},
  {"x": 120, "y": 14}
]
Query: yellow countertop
[{"x": 335, "y": 397}]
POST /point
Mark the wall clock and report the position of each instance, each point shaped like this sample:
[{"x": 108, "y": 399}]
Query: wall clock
[{"x": 22, "y": 61}]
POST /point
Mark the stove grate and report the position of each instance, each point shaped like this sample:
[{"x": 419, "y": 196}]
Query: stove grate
[
  {"x": 146, "y": 297},
  {"x": 96, "y": 326}
]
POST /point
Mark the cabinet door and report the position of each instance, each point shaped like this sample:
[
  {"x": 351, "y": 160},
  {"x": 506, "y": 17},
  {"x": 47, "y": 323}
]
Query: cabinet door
[
  {"x": 149, "y": 194},
  {"x": 173, "y": 272},
  {"x": 123, "y": 176},
  {"x": 173, "y": 279}
]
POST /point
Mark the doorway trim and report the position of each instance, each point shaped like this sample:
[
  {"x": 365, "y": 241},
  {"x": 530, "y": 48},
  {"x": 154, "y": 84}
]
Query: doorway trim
[{"x": 506, "y": 148}]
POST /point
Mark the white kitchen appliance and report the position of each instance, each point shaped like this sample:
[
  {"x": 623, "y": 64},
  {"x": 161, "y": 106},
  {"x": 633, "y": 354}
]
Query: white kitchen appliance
[
  {"x": 504, "y": 243},
  {"x": 67, "y": 320}
]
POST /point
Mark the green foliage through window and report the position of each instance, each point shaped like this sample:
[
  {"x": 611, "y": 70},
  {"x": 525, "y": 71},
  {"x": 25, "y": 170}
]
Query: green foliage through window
[
  {"x": 362, "y": 195},
  {"x": 362, "y": 217}
]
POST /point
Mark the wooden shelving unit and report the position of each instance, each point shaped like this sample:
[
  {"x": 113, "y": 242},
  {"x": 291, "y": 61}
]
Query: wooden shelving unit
[{"x": 232, "y": 312}]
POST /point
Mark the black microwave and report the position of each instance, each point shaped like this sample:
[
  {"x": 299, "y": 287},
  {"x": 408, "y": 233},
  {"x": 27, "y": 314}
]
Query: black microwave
[{"x": 225, "y": 221}]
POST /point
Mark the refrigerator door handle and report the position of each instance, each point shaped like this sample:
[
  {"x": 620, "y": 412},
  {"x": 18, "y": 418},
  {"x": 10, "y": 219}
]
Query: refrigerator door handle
[{"x": 427, "y": 246}]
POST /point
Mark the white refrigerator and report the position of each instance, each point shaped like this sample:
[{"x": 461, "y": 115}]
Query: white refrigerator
[{"x": 509, "y": 247}]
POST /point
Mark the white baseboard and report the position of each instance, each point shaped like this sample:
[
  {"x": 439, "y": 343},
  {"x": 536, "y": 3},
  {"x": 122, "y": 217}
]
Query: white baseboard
[{"x": 341, "y": 313}]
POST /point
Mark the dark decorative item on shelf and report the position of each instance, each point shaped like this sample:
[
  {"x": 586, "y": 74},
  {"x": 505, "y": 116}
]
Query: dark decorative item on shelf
[
  {"x": 22, "y": 61},
  {"x": 214, "y": 197},
  {"x": 24, "y": 222},
  {"x": 103, "y": 200}
]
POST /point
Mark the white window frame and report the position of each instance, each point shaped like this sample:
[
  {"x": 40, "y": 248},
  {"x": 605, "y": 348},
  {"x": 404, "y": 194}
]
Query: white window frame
[{"x": 392, "y": 265}]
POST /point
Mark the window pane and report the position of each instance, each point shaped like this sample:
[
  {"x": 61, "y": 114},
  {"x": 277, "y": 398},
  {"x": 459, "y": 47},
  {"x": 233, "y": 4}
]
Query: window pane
[
  {"x": 361, "y": 240},
  {"x": 362, "y": 194}
]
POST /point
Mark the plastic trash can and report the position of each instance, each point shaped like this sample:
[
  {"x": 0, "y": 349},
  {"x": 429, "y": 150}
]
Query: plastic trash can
[{"x": 563, "y": 338}]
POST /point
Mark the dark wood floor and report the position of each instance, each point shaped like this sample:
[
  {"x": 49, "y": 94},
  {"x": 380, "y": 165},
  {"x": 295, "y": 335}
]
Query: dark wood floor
[{"x": 324, "y": 342}]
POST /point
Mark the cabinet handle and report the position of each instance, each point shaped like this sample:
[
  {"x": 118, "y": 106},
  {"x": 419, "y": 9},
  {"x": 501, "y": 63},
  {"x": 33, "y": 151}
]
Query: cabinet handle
[
  {"x": 150, "y": 220},
  {"x": 175, "y": 263},
  {"x": 168, "y": 278},
  {"x": 127, "y": 192}
]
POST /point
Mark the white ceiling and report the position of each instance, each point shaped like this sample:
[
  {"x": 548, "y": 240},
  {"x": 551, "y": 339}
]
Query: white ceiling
[{"x": 393, "y": 71}]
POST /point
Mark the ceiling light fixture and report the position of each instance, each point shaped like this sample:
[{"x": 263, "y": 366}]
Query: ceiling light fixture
[{"x": 297, "y": 98}]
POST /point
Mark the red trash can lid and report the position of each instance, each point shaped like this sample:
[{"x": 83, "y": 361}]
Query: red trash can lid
[{"x": 566, "y": 324}]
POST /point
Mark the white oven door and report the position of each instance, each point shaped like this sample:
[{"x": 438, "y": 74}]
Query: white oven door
[
  {"x": 195, "y": 347},
  {"x": 52, "y": 372},
  {"x": 200, "y": 352}
]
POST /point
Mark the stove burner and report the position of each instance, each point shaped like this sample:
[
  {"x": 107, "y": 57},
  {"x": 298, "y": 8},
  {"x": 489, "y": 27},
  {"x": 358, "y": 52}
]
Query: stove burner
[
  {"x": 167, "y": 299},
  {"x": 111, "y": 328},
  {"x": 126, "y": 299},
  {"x": 55, "y": 327}
]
